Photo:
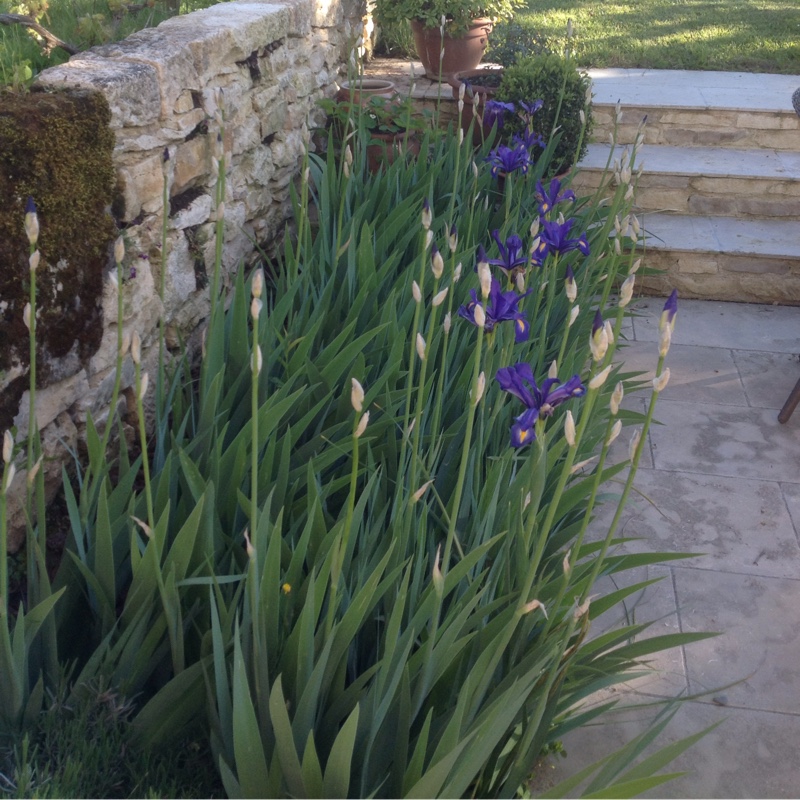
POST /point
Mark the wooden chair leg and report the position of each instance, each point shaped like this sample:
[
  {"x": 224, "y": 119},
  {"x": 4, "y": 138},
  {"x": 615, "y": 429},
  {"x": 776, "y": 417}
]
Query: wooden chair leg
[{"x": 790, "y": 404}]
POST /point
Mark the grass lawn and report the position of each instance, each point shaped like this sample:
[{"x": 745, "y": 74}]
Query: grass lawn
[{"x": 734, "y": 35}]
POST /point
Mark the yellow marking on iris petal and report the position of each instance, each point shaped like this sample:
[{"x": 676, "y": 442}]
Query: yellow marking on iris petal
[
  {"x": 523, "y": 435},
  {"x": 521, "y": 324},
  {"x": 286, "y": 588}
]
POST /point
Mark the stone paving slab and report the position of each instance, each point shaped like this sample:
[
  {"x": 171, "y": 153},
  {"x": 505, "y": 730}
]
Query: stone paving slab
[
  {"x": 760, "y": 640},
  {"x": 697, "y": 374},
  {"x": 776, "y": 238},
  {"x": 657, "y": 605},
  {"x": 727, "y": 441},
  {"x": 768, "y": 378},
  {"x": 791, "y": 494},
  {"x": 707, "y": 161},
  {"x": 738, "y": 326},
  {"x": 733, "y": 524},
  {"x": 750, "y": 754},
  {"x": 687, "y": 89}
]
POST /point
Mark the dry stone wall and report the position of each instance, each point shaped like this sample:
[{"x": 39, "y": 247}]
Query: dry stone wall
[{"x": 259, "y": 67}]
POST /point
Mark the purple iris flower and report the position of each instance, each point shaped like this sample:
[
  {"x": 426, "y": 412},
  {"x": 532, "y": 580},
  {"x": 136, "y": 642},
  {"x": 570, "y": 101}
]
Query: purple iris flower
[
  {"x": 513, "y": 258},
  {"x": 540, "y": 401},
  {"x": 528, "y": 139},
  {"x": 531, "y": 108},
  {"x": 501, "y": 307},
  {"x": 555, "y": 237},
  {"x": 494, "y": 112},
  {"x": 509, "y": 159},
  {"x": 549, "y": 198}
]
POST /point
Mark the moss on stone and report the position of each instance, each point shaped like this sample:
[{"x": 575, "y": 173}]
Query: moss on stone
[{"x": 55, "y": 147}]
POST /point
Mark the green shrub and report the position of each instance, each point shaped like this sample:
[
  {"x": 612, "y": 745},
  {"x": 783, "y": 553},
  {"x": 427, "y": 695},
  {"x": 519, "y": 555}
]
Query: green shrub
[
  {"x": 511, "y": 41},
  {"x": 563, "y": 91}
]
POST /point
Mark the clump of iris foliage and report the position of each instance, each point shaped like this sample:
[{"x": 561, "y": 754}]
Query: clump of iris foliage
[{"x": 352, "y": 555}]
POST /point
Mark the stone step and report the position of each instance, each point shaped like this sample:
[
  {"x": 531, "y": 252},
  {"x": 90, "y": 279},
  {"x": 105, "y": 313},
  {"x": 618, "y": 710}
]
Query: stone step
[
  {"x": 721, "y": 109},
  {"x": 706, "y": 180},
  {"x": 722, "y": 258}
]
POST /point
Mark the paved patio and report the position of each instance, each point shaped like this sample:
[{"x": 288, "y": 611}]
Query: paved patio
[{"x": 721, "y": 478}]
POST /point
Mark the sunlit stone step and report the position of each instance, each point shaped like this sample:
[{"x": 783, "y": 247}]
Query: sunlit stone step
[
  {"x": 722, "y": 258},
  {"x": 706, "y": 109},
  {"x": 707, "y": 180}
]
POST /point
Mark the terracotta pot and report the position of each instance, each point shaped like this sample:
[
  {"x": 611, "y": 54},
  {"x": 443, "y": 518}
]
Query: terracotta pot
[
  {"x": 360, "y": 91},
  {"x": 460, "y": 52},
  {"x": 386, "y": 147},
  {"x": 477, "y": 93}
]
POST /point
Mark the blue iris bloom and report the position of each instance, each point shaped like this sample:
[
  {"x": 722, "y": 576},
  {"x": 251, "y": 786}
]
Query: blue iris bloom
[
  {"x": 539, "y": 401},
  {"x": 531, "y": 108},
  {"x": 528, "y": 139},
  {"x": 501, "y": 307},
  {"x": 509, "y": 159},
  {"x": 555, "y": 238},
  {"x": 549, "y": 198},
  {"x": 494, "y": 112},
  {"x": 513, "y": 258}
]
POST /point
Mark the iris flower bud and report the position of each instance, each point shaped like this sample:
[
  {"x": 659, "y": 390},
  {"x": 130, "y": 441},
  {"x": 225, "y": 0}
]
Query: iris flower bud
[
  {"x": 255, "y": 308},
  {"x": 626, "y": 291},
  {"x": 598, "y": 341},
  {"x": 145, "y": 382},
  {"x": 570, "y": 286},
  {"x": 553, "y": 371},
  {"x": 119, "y": 250},
  {"x": 448, "y": 321},
  {"x": 436, "y": 576},
  {"x": 665, "y": 340},
  {"x": 362, "y": 425},
  {"x": 669, "y": 312},
  {"x": 569, "y": 429},
  {"x": 33, "y": 261},
  {"x": 421, "y": 346},
  {"x": 634, "y": 445},
  {"x": 573, "y": 315},
  {"x": 257, "y": 360},
  {"x": 258, "y": 283},
  {"x": 616, "y": 398},
  {"x": 26, "y": 315},
  {"x": 136, "y": 348},
  {"x": 416, "y": 497},
  {"x": 439, "y": 297},
  {"x": 457, "y": 273},
  {"x": 600, "y": 378},
  {"x": 615, "y": 431},
  {"x": 11, "y": 471},
  {"x": 479, "y": 316},
  {"x": 31, "y": 222},
  {"x": 452, "y": 237},
  {"x": 437, "y": 262},
  {"x": 356, "y": 395},
  {"x": 660, "y": 382},
  {"x": 480, "y": 388},
  {"x": 415, "y": 292},
  {"x": 8, "y": 446},
  {"x": 427, "y": 217}
]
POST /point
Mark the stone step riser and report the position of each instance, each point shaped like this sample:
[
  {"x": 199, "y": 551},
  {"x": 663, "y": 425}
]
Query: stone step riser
[
  {"x": 754, "y": 198},
  {"x": 723, "y": 276},
  {"x": 700, "y": 127}
]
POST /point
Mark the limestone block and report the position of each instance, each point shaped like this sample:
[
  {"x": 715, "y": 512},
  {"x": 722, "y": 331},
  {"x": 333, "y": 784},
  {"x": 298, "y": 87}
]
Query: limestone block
[
  {"x": 196, "y": 213},
  {"x": 180, "y": 282},
  {"x": 697, "y": 264},
  {"x": 50, "y": 402},
  {"x": 247, "y": 135},
  {"x": 771, "y": 209},
  {"x": 192, "y": 161},
  {"x": 257, "y": 165},
  {"x": 184, "y": 103},
  {"x": 180, "y": 126},
  {"x": 145, "y": 178},
  {"x": 274, "y": 118},
  {"x": 766, "y": 121},
  {"x": 131, "y": 89},
  {"x": 129, "y": 205},
  {"x": 304, "y": 82},
  {"x": 753, "y": 264},
  {"x": 264, "y": 96},
  {"x": 714, "y": 206}
]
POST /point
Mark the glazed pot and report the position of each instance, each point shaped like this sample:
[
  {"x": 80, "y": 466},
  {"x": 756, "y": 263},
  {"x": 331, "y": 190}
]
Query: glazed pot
[
  {"x": 460, "y": 52},
  {"x": 481, "y": 85}
]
